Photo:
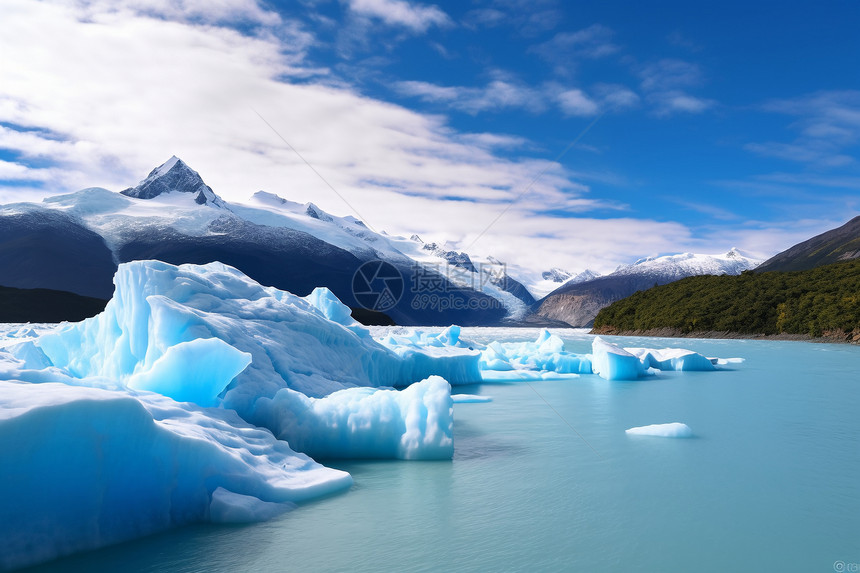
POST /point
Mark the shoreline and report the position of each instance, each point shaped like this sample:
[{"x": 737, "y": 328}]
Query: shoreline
[{"x": 838, "y": 337}]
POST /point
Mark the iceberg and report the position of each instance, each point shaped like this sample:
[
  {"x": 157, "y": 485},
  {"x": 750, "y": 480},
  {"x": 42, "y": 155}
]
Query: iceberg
[
  {"x": 198, "y": 395},
  {"x": 543, "y": 359},
  {"x": 672, "y": 359},
  {"x": 672, "y": 430},
  {"x": 614, "y": 363},
  {"x": 411, "y": 424},
  {"x": 470, "y": 399},
  {"x": 87, "y": 467},
  {"x": 187, "y": 400},
  {"x": 208, "y": 334}
]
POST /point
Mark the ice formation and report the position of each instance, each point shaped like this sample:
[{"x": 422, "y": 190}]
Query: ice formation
[
  {"x": 672, "y": 359},
  {"x": 672, "y": 430},
  {"x": 86, "y": 467},
  {"x": 414, "y": 423},
  {"x": 189, "y": 397},
  {"x": 614, "y": 363},
  {"x": 470, "y": 399},
  {"x": 210, "y": 335}
]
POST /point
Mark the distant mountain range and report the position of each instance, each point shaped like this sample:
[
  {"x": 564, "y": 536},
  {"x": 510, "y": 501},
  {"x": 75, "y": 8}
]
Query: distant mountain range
[
  {"x": 577, "y": 303},
  {"x": 810, "y": 290},
  {"x": 45, "y": 305},
  {"x": 74, "y": 243}
]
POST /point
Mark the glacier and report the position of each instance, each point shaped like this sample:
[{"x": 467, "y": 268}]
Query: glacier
[{"x": 200, "y": 395}]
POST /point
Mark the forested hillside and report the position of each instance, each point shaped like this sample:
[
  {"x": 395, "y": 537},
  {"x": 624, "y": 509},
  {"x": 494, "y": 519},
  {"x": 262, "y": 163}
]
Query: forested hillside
[{"x": 824, "y": 301}]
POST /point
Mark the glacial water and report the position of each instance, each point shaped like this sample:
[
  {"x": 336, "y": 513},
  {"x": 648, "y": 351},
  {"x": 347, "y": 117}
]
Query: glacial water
[{"x": 544, "y": 478}]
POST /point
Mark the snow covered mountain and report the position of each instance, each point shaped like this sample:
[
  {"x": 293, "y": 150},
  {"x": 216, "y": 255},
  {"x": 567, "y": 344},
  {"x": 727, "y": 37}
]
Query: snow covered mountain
[
  {"x": 74, "y": 243},
  {"x": 544, "y": 283},
  {"x": 673, "y": 267},
  {"x": 578, "y": 303},
  {"x": 174, "y": 175}
]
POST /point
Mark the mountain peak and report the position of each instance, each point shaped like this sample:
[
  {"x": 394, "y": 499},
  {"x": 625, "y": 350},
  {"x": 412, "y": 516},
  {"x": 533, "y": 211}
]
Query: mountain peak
[
  {"x": 315, "y": 212},
  {"x": 556, "y": 275},
  {"x": 174, "y": 175}
]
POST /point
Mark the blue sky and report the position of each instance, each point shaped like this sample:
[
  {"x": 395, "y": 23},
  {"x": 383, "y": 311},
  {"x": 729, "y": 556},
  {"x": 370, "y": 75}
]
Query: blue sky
[{"x": 695, "y": 126}]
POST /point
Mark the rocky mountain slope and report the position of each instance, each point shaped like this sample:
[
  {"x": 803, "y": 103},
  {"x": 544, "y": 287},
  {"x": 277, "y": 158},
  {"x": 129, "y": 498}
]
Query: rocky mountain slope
[
  {"x": 74, "y": 243},
  {"x": 578, "y": 303},
  {"x": 836, "y": 245}
]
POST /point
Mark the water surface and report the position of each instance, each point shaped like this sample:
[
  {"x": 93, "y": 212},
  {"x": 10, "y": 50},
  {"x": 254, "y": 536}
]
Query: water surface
[{"x": 545, "y": 478}]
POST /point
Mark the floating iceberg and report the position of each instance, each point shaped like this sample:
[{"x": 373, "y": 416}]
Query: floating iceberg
[
  {"x": 210, "y": 335},
  {"x": 545, "y": 356},
  {"x": 85, "y": 467},
  {"x": 470, "y": 399},
  {"x": 614, "y": 363},
  {"x": 672, "y": 359},
  {"x": 672, "y": 430},
  {"x": 191, "y": 395},
  {"x": 414, "y": 423},
  {"x": 146, "y": 409}
]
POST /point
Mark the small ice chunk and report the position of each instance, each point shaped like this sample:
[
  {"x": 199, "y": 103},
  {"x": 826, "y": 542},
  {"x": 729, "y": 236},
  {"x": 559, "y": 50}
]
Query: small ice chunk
[
  {"x": 470, "y": 399},
  {"x": 725, "y": 361},
  {"x": 672, "y": 430},
  {"x": 614, "y": 363},
  {"x": 678, "y": 359}
]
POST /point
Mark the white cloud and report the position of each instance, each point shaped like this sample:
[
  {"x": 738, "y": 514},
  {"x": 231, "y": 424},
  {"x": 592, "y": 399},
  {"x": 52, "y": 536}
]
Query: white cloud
[
  {"x": 616, "y": 97},
  {"x": 592, "y": 43},
  {"x": 766, "y": 239},
  {"x": 506, "y": 93},
  {"x": 679, "y": 101},
  {"x": 484, "y": 17},
  {"x": 11, "y": 171},
  {"x": 670, "y": 74},
  {"x": 104, "y": 95},
  {"x": 528, "y": 18},
  {"x": 828, "y": 126},
  {"x": 416, "y": 17},
  {"x": 666, "y": 84},
  {"x": 820, "y": 152},
  {"x": 497, "y": 95},
  {"x": 575, "y": 102}
]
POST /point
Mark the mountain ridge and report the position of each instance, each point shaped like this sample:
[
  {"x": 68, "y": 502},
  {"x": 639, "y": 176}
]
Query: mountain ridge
[
  {"x": 577, "y": 304},
  {"x": 835, "y": 245}
]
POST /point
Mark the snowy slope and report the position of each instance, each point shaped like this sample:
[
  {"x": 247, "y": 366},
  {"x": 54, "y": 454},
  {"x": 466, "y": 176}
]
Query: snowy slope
[
  {"x": 543, "y": 283},
  {"x": 174, "y": 216},
  {"x": 578, "y": 304},
  {"x": 673, "y": 267}
]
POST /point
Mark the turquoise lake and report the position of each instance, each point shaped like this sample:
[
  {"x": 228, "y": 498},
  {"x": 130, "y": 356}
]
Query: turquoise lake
[{"x": 544, "y": 478}]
